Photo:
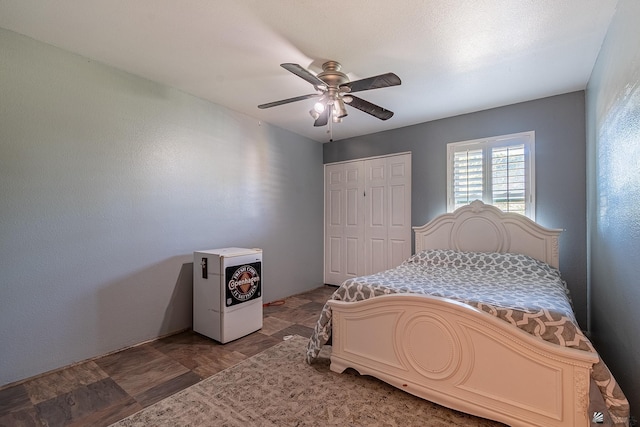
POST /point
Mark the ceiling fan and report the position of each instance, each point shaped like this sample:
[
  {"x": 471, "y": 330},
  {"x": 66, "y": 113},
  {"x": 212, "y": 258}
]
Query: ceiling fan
[{"x": 334, "y": 91}]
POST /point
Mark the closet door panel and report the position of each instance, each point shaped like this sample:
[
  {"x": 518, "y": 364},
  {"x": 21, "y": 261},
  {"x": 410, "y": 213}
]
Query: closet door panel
[
  {"x": 397, "y": 252},
  {"x": 376, "y": 206},
  {"x": 377, "y": 254},
  {"x": 354, "y": 220},
  {"x": 334, "y": 259},
  {"x": 352, "y": 207},
  {"x": 352, "y": 258},
  {"x": 334, "y": 187},
  {"x": 399, "y": 227},
  {"x": 376, "y": 215},
  {"x": 335, "y": 207},
  {"x": 344, "y": 218}
]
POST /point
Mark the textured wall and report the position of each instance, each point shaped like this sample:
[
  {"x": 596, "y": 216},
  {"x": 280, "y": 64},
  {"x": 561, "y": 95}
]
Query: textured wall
[
  {"x": 559, "y": 127},
  {"x": 109, "y": 182},
  {"x": 613, "y": 117}
]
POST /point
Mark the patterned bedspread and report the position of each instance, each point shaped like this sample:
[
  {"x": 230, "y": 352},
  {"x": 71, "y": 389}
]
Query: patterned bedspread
[{"x": 518, "y": 289}]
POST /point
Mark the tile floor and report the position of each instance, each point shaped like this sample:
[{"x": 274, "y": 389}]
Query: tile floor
[{"x": 104, "y": 390}]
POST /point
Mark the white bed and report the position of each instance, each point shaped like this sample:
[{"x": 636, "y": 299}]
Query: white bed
[{"x": 462, "y": 357}]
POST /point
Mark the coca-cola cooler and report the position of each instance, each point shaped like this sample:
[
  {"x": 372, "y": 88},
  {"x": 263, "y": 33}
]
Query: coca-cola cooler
[{"x": 227, "y": 293}]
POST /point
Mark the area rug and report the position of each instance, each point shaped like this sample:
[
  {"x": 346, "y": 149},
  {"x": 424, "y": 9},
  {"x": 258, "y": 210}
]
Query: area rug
[{"x": 278, "y": 388}]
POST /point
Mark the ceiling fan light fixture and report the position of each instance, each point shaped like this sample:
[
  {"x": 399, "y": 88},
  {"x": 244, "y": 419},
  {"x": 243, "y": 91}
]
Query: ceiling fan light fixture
[
  {"x": 319, "y": 106},
  {"x": 314, "y": 114},
  {"x": 339, "y": 109}
]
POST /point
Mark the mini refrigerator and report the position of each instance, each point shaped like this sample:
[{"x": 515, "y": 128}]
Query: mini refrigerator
[{"x": 227, "y": 293}]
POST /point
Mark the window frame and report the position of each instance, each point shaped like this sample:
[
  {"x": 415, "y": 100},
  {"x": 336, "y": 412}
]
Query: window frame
[{"x": 486, "y": 144}]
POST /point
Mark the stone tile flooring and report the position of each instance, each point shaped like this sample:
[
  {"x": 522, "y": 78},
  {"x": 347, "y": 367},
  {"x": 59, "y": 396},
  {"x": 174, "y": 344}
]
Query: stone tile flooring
[{"x": 104, "y": 390}]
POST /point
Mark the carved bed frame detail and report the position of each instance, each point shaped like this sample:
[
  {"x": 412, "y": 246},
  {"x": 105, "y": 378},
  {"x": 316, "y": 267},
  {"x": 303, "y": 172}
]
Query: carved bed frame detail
[{"x": 484, "y": 228}]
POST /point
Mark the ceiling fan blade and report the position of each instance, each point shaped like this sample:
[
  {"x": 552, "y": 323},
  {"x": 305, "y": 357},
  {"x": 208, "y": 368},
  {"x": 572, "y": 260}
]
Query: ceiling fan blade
[
  {"x": 305, "y": 74},
  {"x": 286, "y": 101},
  {"x": 375, "y": 82},
  {"x": 369, "y": 108},
  {"x": 323, "y": 118}
]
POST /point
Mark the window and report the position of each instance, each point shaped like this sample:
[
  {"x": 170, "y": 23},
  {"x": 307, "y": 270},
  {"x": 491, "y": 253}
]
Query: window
[{"x": 499, "y": 171}]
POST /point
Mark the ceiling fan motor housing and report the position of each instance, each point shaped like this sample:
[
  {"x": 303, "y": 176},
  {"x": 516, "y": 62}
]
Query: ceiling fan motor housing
[{"x": 332, "y": 75}]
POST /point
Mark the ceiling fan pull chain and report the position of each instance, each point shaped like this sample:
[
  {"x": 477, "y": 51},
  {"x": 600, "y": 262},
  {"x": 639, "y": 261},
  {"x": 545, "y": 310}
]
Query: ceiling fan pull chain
[{"x": 330, "y": 126}]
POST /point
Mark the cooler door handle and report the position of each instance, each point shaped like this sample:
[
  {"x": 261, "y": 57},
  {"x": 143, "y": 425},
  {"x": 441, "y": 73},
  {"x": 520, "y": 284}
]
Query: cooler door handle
[{"x": 203, "y": 264}]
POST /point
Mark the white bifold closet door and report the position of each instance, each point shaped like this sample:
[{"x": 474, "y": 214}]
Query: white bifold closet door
[{"x": 367, "y": 216}]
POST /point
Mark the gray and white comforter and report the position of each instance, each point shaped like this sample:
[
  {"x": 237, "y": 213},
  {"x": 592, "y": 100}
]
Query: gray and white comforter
[{"x": 518, "y": 289}]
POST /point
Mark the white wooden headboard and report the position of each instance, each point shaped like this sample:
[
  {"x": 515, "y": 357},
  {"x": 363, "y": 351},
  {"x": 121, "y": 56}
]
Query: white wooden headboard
[{"x": 477, "y": 227}]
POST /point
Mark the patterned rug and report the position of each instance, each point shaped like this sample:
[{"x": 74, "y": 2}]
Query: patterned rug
[{"x": 278, "y": 388}]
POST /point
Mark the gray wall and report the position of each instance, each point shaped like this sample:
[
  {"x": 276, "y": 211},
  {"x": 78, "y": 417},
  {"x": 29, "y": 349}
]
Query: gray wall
[
  {"x": 109, "y": 182},
  {"x": 613, "y": 118},
  {"x": 559, "y": 125}
]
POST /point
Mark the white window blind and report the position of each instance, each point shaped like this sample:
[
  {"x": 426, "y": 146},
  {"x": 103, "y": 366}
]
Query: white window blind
[
  {"x": 468, "y": 177},
  {"x": 508, "y": 178},
  {"x": 498, "y": 171}
]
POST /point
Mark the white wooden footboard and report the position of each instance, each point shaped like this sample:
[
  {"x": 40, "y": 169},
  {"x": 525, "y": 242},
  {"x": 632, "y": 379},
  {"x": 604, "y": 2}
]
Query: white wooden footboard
[{"x": 454, "y": 355}]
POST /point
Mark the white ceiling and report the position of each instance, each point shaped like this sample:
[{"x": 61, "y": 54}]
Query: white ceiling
[{"x": 453, "y": 56}]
